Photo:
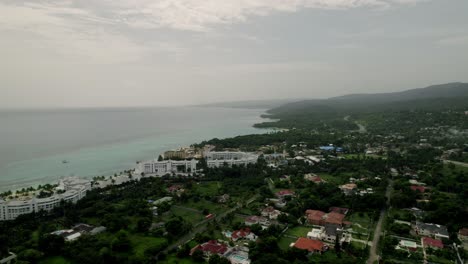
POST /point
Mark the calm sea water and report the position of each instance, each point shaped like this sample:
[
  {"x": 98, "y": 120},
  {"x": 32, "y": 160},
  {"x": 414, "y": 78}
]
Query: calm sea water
[{"x": 33, "y": 144}]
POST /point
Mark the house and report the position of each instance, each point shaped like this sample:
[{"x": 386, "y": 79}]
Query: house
[
  {"x": 210, "y": 248},
  {"x": 77, "y": 231},
  {"x": 418, "y": 188},
  {"x": 348, "y": 189},
  {"x": 463, "y": 235},
  {"x": 252, "y": 220},
  {"x": 166, "y": 199},
  {"x": 432, "y": 230},
  {"x": 316, "y": 233},
  {"x": 310, "y": 245},
  {"x": 284, "y": 193},
  {"x": 313, "y": 178},
  {"x": 340, "y": 210},
  {"x": 270, "y": 212},
  {"x": 315, "y": 217},
  {"x": 407, "y": 245},
  {"x": 243, "y": 233},
  {"x": 331, "y": 232},
  {"x": 432, "y": 243},
  {"x": 334, "y": 218}
]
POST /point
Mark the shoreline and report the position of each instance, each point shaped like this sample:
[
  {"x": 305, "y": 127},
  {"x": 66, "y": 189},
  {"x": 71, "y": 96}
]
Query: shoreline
[{"x": 26, "y": 183}]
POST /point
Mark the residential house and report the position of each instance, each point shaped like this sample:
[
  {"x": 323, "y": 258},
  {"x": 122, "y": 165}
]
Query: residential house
[
  {"x": 348, "y": 189},
  {"x": 316, "y": 233},
  {"x": 310, "y": 245},
  {"x": 270, "y": 212},
  {"x": 243, "y": 233},
  {"x": 210, "y": 248},
  {"x": 432, "y": 230},
  {"x": 463, "y": 235},
  {"x": 313, "y": 178},
  {"x": 316, "y": 217},
  {"x": 331, "y": 233},
  {"x": 432, "y": 243},
  {"x": 252, "y": 220},
  {"x": 284, "y": 193},
  {"x": 340, "y": 210},
  {"x": 418, "y": 188}
]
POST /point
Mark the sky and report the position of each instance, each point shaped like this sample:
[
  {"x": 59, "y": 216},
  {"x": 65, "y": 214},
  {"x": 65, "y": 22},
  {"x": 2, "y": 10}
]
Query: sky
[{"x": 120, "y": 53}]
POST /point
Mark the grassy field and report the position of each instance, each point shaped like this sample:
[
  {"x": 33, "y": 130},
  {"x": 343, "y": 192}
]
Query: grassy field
[
  {"x": 208, "y": 188},
  {"x": 142, "y": 243},
  {"x": 298, "y": 231},
  {"x": 54, "y": 260},
  {"x": 188, "y": 215},
  {"x": 172, "y": 259},
  {"x": 284, "y": 242},
  {"x": 203, "y": 204}
]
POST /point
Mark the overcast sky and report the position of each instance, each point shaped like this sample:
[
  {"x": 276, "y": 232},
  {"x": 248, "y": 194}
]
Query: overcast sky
[{"x": 80, "y": 53}]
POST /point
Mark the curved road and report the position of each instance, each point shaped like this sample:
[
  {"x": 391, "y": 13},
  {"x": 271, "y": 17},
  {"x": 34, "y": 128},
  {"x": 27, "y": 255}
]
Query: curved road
[{"x": 378, "y": 229}]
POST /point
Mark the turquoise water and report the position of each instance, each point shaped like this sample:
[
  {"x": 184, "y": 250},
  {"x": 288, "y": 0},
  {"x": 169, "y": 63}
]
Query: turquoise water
[{"x": 33, "y": 144}]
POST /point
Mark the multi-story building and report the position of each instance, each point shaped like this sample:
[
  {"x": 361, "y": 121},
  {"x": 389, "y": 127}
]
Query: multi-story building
[
  {"x": 168, "y": 166},
  {"x": 73, "y": 189},
  {"x": 216, "y": 159}
]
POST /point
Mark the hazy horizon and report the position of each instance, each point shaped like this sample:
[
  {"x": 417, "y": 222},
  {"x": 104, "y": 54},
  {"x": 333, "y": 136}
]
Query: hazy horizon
[{"x": 142, "y": 53}]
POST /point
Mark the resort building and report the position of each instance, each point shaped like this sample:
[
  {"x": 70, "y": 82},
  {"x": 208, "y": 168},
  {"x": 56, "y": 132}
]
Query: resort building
[
  {"x": 215, "y": 159},
  {"x": 71, "y": 190},
  {"x": 168, "y": 166}
]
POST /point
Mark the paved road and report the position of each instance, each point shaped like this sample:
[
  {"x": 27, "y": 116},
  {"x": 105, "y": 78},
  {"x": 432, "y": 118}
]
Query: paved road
[{"x": 378, "y": 229}]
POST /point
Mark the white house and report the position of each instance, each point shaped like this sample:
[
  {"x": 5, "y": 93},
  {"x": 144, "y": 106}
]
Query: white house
[{"x": 167, "y": 166}]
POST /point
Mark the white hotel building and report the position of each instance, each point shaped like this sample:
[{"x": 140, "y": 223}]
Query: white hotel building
[
  {"x": 229, "y": 158},
  {"x": 167, "y": 166},
  {"x": 74, "y": 188}
]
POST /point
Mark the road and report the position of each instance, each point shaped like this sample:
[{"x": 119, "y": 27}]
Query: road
[
  {"x": 201, "y": 226},
  {"x": 373, "y": 256},
  {"x": 456, "y": 163}
]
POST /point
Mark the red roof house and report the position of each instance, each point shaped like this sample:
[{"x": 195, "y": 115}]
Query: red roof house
[
  {"x": 244, "y": 233},
  {"x": 211, "y": 247},
  {"x": 310, "y": 245},
  {"x": 340, "y": 210},
  {"x": 315, "y": 217},
  {"x": 334, "y": 218},
  {"x": 418, "y": 188},
  {"x": 433, "y": 243},
  {"x": 284, "y": 193}
]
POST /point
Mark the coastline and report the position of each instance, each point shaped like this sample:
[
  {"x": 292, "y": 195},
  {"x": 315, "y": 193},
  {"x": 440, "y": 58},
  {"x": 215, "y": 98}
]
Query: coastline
[{"x": 140, "y": 149}]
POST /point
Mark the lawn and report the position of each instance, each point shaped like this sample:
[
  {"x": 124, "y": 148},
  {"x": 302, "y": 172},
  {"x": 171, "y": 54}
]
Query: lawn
[
  {"x": 203, "y": 204},
  {"x": 208, "y": 188},
  {"x": 284, "y": 242},
  {"x": 188, "y": 215},
  {"x": 142, "y": 243},
  {"x": 54, "y": 260},
  {"x": 172, "y": 259},
  {"x": 339, "y": 179},
  {"x": 298, "y": 231}
]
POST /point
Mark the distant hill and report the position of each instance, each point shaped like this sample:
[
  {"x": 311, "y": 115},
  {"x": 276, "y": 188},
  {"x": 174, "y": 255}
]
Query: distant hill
[
  {"x": 252, "y": 104},
  {"x": 436, "y": 96}
]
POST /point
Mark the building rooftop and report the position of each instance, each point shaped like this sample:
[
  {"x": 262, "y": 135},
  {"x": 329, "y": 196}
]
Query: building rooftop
[{"x": 309, "y": 244}]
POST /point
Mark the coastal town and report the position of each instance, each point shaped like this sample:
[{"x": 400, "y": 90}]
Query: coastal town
[{"x": 208, "y": 202}]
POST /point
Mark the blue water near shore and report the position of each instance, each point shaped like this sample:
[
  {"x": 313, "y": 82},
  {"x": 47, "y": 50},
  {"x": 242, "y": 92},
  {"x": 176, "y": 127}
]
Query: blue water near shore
[{"x": 33, "y": 144}]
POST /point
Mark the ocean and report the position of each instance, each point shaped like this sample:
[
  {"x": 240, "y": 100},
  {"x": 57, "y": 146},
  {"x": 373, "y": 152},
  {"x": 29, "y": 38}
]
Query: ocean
[{"x": 34, "y": 144}]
